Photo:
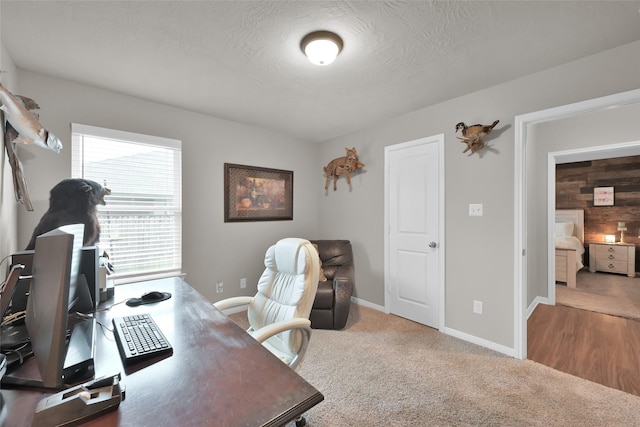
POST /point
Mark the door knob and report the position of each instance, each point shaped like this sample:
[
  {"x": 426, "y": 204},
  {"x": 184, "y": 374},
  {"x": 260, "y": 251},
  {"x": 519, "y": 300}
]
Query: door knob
[{"x": 432, "y": 244}]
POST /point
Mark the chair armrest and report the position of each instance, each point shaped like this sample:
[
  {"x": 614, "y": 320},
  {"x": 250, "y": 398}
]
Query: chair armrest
[
  {"x": 345, "y": 273},
  {"x": 232, "y": 302},
  {"x": 304, "y": 325},
  {"x": 343, "y": 281},
  {"x": 268, "y": 331}
]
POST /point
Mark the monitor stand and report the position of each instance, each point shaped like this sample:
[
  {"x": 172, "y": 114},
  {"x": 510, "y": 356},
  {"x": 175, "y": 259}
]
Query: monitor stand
[
  {"x": 80, "y": 403},
  {"x": 78, "y": 365}
]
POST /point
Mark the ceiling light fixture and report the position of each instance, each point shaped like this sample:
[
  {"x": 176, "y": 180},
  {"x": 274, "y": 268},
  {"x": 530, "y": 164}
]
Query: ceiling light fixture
[{"x": 321, "y": 47}]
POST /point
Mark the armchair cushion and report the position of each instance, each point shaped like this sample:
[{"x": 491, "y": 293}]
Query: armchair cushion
[
  {"x": 333, "y": 297},
  {"x": 323, "y": 278}
]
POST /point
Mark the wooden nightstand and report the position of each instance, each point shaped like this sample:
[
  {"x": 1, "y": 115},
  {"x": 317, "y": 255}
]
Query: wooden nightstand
[{"x": 613, "y": 258}]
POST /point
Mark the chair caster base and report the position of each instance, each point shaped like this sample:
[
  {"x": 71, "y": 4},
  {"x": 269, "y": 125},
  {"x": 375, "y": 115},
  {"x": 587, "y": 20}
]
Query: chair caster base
[{"x": 301, "y": 422}]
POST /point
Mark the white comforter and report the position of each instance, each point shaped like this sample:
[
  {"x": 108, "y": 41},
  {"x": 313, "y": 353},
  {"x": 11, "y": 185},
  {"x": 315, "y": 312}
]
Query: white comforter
[{"x": 571, "y": 242}]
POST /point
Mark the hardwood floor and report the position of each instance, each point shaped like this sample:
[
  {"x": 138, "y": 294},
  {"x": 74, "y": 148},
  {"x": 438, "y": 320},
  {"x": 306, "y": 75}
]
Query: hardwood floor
[{"x": 598, "y": 347}]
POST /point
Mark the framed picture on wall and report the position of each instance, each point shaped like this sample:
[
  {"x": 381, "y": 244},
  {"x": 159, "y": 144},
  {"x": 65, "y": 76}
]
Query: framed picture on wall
[
  {"x": 603, "y": 196},
  {"x": 253, "y": 193}
]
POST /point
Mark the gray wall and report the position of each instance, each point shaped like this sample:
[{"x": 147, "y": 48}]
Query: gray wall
[
  {"x": 212, "y": 249},
  {"x": 479, "y": 250}
]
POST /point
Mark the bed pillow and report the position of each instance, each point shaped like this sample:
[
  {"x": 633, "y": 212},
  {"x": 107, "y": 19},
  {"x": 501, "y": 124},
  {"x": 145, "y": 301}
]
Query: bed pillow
[{"x": 564, "y": 229}]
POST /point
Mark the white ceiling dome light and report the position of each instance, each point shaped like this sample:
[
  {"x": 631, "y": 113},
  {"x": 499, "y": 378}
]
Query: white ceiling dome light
[{"x": 321, "y": 47}]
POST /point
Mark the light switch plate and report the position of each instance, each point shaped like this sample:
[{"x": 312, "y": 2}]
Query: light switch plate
[{"x": 477, "y": 307}]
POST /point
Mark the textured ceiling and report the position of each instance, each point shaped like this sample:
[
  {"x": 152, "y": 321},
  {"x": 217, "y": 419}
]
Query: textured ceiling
[{"x": 241, "y": 60}]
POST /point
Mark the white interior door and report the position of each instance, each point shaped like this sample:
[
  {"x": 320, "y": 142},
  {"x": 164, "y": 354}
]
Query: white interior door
[{"x": 414, "y": 242}]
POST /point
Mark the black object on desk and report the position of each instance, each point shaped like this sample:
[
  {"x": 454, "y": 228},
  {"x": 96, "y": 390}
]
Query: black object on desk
[
  {"x": 79, "y": 403},
  {"x": 149, "y": 298},
  {"x": 139, "y": 338}
]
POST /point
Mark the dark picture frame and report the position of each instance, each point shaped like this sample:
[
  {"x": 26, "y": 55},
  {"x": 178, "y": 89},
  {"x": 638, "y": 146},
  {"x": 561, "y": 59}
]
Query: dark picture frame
[{"x": 254, "y": 193}]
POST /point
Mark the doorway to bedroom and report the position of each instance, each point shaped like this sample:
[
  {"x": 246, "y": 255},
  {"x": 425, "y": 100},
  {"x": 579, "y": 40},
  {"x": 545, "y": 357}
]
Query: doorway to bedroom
[
  {"x": 587, "y": 130},
  {"x": 603, "y": 124},
  {"x": 606, "y": 287}
]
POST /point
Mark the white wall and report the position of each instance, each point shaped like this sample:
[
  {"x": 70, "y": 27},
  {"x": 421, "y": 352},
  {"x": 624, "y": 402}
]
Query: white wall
[
  {"x": 212, "y": 249},
  {"x": 8, "y": 205},
  {"x": 479, "y": 250}
]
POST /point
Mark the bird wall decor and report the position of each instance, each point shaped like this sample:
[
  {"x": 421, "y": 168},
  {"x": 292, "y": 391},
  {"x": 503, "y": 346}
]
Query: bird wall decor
[
  {"x": 19, "y": 112},
  {"x": 472, "y": 135},
  {"x": 20, "y": 124}
]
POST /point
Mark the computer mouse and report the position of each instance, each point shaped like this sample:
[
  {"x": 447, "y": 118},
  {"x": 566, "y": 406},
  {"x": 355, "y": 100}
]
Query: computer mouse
[
  {"x": 148, "y": 298},
  {"x": 153, "y": 296}
]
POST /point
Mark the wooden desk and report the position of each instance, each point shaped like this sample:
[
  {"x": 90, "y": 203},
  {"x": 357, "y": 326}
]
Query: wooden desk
[{"x": 217, "y": 376}]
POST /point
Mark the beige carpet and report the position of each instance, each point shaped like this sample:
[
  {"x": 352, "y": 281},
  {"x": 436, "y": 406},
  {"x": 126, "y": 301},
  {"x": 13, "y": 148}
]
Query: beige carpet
[
  {"x": 606, "y": 293},
  {"x": 382, "y": 370}
]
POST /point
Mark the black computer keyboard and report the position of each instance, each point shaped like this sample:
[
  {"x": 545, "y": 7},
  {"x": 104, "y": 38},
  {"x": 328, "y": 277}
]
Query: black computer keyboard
[{"x": 139, "y": 338}]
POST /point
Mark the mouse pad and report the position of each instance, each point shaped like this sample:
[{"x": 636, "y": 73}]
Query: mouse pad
[{"x": 133, "y": 302}]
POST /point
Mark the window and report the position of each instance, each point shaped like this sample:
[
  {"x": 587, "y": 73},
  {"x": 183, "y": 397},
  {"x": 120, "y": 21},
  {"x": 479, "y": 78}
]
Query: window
[{"x": 141, "y": 225}]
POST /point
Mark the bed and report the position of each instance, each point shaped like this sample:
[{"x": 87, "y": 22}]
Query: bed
[{"x": 569, "y": 244}]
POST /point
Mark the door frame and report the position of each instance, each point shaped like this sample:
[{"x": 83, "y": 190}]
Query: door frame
[
  {"x": 520, "y": 199},
  {"x": 434, "y": 139}
]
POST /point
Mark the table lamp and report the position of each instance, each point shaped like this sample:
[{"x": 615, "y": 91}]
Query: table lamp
[{"x": 622, "y": 228}]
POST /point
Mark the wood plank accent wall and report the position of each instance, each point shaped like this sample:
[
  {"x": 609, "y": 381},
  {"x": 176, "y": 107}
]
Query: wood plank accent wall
[{"x": 574, "y": 190}]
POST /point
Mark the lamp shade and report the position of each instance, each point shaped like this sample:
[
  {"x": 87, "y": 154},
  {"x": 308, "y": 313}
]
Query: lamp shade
[{"x": 321, "y": 47}]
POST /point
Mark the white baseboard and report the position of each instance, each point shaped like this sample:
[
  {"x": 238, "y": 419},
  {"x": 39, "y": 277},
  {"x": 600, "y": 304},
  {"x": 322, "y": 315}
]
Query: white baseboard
[
  {"x": 449, "y": 331},
  {"x": 454, "y": 333},
  {"x": 368, "y": 304},
  {"x": 481, "y": 342},
  {"x": 534, "y": 304}
]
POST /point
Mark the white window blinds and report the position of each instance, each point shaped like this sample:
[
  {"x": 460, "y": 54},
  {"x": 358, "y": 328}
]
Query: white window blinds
[{"x": 141, "y": 225}]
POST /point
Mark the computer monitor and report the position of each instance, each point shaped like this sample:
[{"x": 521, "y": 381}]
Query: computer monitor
[{"x": 55, "y": 273}]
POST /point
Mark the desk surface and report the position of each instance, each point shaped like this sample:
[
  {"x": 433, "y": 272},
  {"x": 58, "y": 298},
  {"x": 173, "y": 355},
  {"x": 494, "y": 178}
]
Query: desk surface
[{"x": 218, "y": 375}]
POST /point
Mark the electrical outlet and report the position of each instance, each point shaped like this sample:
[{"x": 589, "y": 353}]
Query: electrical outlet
[
  {"x": 243, "y": 283},
  {"x": 475, "y": 209},
  {"x": 219, "y": 287},
  {"x": 477, "y": 307}
]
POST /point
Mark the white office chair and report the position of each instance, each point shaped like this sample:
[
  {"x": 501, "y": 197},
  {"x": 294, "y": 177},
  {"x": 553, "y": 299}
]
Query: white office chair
[{"x": 279, "y": 313}]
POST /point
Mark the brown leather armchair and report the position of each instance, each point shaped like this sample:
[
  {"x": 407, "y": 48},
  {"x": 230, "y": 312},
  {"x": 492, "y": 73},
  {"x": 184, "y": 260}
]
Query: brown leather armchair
[{"x": 333, "y": 298}]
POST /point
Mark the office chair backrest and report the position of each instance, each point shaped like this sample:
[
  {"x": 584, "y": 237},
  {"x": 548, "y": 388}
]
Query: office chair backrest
[{"x": 286, "y": 289}]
